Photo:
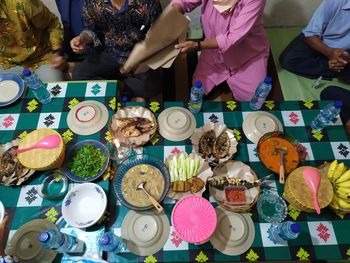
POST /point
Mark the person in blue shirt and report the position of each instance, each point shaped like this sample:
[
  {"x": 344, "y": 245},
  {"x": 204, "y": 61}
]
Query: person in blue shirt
[{"x": 323, "y": 47}]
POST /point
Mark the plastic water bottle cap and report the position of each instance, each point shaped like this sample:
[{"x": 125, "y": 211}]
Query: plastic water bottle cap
[
  {"x": 295, "y": 227},
  {"x": 26, "y": 72},
  {"x": 125, "y": 98},
  {"x": 338, "y": 104},
  {"x": 268, "y": 80},
  {"x": 44, "y": 237},
  {"x": 104, "y": 240},
  {"x": 198, "y": 83}
]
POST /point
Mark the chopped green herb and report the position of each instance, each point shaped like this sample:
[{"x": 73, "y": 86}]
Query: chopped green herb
[{"x": 87, "y": 161}]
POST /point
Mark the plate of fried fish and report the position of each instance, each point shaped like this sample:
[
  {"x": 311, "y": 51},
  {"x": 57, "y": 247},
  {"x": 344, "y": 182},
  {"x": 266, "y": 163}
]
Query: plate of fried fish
[
  {"x": 137, "y": 124},
  {"x": 188, "y": 174},
  {"x": 214, "y": 142}
]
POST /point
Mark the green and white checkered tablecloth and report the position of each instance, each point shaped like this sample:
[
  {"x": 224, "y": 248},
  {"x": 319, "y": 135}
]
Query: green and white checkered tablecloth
[
  {"x": 24, "y": 203},
  {"x": 325, "y": 236}
]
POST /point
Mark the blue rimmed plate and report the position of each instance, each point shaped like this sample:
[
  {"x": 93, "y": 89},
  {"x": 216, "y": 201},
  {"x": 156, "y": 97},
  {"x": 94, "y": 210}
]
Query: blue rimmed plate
[
  {"x": 11, "y": 88},
  {"x": 70, "y": 154}
]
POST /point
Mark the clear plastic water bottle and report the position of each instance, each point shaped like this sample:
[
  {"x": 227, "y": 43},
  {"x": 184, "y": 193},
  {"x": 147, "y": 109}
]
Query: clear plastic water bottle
[
  {"x": 111, "y": 243},
  {"x": 35, "y": 84},
  {"x": 196, "y": 97},
  {"x": 284, "y": 231},
  {"x": 60, "y": 242},
  {"x": 327, "y": 114},
  {"x": 261, "y": 93}
]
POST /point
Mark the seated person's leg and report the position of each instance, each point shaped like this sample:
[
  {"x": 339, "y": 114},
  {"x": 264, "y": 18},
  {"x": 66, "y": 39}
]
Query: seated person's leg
[
  {"x": 302, "y": 60},
  {"x": 245, "y": 81},
  {"x": 15, "y": 70},
  {"x": 97, "y": 66},
  {"x": 145, "y": 85},
  {"x": 337, "y": 93},
  {"x": 49, "y": 74}
]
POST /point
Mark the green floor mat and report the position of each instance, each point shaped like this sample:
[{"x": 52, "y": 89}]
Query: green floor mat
[{"x": 294, "y": 87}]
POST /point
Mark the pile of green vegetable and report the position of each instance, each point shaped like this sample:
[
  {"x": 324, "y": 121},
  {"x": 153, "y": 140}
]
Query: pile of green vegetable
[
  {"x": 182, "y": 168},
  {"x": 87, "y": 161}
]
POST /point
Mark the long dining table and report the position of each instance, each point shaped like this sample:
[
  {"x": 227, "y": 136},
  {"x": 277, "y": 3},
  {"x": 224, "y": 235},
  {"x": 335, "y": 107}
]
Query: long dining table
[{"x": 323, "y": 237}]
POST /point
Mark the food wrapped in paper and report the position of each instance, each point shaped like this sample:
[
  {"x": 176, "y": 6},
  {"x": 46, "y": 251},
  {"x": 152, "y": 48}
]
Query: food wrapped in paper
[{"x": 12, "y": 172}]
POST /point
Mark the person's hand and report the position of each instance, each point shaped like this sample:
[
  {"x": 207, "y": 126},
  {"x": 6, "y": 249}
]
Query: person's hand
[
  {"x": 4, "y": 230},
  {"x": 187, "y": 46},
  {"x": 337, "y": 59},
  {"x": 59, "y": 62},
  {"x": 78, "y": 44}
]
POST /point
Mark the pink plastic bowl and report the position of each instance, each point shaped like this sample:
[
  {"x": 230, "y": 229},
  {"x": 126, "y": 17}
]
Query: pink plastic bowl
[{"x": 194, "y": 219}]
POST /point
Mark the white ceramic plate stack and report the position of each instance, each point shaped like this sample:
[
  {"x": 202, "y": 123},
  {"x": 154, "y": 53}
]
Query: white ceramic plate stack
[
  {"x": 87, "y": 117},
  {"x": 234, "y": 233},
  {"x": 256, "y": 124},
  {"x": 145, "y": 233},
  {"x": 176, "y": 124}
]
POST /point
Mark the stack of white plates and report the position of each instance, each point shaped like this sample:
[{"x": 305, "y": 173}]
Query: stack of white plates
[
  {"x": 145, "y": 233},
  {"x": 234, "y": 233},
  {"x": 256, "y": 124},
  {"x": 176, "y": 124},
  {"x": 87, "y": 117}
]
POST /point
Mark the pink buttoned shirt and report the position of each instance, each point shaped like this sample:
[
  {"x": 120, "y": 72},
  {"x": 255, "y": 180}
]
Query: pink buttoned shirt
[{"x": 241, "y": 58}]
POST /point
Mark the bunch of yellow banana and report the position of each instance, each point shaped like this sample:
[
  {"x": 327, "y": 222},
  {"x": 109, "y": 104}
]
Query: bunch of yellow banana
[{"x": 339, "y": 175}]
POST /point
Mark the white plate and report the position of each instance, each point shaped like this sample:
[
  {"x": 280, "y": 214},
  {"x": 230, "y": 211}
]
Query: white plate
[
  {"x": 145, "y": 233},
  {"x": 2, "y": 212},
  {"x": 11, "y": 88},
  {"x": 176, "y": 124},
  {"x": 84, "y": 205},
  {"x": 87, "y": 117},
  {"x": 256, "y": 124},
  {"x": 234, "y": 233}
]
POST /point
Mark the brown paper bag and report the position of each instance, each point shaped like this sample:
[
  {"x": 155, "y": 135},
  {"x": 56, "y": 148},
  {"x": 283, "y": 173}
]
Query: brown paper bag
[{"x": 157, "y": 50}]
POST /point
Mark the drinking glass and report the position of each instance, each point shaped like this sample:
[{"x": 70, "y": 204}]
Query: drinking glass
[{"x": 118, "y": 151}]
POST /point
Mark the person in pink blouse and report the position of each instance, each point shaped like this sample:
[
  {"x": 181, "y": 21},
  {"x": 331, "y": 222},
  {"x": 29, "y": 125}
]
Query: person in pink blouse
[{"x": 235, "y": 48}]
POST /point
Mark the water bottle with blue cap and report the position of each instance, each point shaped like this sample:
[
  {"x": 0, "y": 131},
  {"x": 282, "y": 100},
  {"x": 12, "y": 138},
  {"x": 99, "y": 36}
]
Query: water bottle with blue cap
[
  {"x": 196, "y": 97},
  {"x": 37, "y": 87}
]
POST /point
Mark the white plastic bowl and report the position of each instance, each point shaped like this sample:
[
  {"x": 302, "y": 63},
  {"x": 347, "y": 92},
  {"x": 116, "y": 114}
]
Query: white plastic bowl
[{"x": 84, "y": 205}]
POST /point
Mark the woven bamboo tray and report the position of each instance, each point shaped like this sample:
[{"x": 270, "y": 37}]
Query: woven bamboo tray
[
  {"x": 41, "y": 159},
  {"x": 298, "y": 193}
]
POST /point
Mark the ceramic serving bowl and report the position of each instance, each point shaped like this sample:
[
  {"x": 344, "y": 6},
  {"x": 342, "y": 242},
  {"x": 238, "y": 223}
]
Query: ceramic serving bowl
[
  {"x": 70, "y": 154},
  {"x": 124, "y": 167},
  {"x": 84, "y": 205}
]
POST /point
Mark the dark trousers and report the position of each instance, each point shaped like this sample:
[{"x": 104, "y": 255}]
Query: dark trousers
[
  {"x": 337, "y": 93},
  {"x": 102, "y": 66},
  {"x": 302, "y": 60}
]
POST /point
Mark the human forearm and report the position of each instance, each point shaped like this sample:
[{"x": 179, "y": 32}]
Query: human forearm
[{"x": 316, "y": 43}]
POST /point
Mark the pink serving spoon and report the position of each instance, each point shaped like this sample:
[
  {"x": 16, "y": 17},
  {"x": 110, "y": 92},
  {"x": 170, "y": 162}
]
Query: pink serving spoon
[
  {"x": 48, "y": 142},
  {"x": 313, "y": 178}
]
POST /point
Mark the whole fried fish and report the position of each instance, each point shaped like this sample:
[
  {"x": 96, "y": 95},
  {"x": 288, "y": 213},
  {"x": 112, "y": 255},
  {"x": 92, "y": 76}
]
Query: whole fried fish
[{"x": 220, "y": 182}]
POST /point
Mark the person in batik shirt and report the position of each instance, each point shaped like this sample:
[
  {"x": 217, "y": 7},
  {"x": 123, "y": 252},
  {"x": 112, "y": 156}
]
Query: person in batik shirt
[
  {"x": 30, "y": 37},
  {"x": 112, "y": 28}
]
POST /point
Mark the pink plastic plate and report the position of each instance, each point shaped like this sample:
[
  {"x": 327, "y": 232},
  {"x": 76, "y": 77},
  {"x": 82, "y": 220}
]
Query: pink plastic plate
[{"x": 194, "y": 219}]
